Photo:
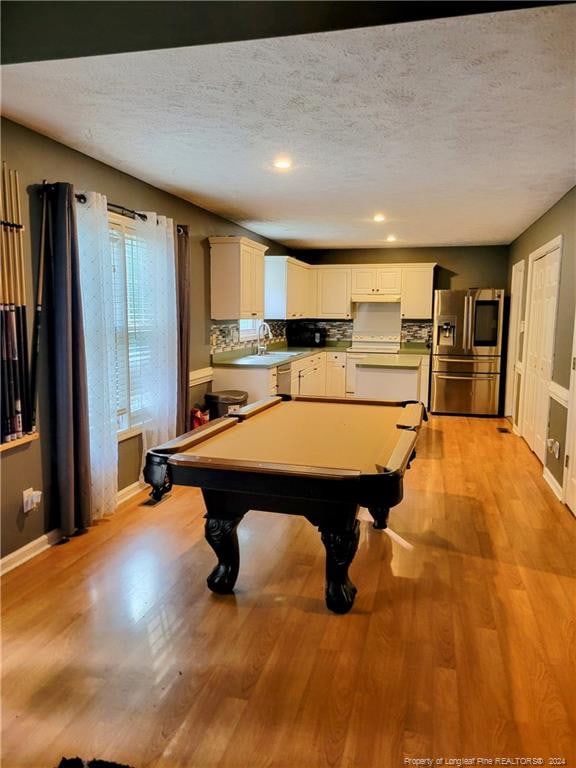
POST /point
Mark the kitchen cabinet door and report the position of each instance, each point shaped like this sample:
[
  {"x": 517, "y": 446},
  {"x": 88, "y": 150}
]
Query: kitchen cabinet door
[
  {"x": 363, "y": 280},
  {"x": 367, "y": 281},
  {"x": 256, "y": 306},
  {"x": 336, "y": 375},
  {"x": 286, "y": 288},
  {"x": 237, "y": 278},
  {"x": 297, "y": 294},
  {"x": 389, "y": 280},
  {"x": 417, "y": 293},
  {"x": 311, "y": 293},
  {"x": 334, "y": 293}
]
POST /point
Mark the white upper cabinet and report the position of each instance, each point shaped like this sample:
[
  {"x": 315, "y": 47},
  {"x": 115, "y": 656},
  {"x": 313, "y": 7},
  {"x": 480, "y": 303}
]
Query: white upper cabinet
[
  {"x": 417, "y": 291},
  {"x": 312, "y": 287},
  {"x": 389, "y": 280},
  {"x": 333, "y": 293},
  {"x": 287, "y": 288},
  {"x": 369, "y": 280},
  {"x": 237, "y": 278}
]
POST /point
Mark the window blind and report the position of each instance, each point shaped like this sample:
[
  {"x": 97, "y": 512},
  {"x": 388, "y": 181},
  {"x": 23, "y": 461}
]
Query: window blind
[{"x": 134, "y": 326}]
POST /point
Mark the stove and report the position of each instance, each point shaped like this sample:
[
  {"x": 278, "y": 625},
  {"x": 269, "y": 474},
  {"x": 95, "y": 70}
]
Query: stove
[{"x": 374, "y": 343}]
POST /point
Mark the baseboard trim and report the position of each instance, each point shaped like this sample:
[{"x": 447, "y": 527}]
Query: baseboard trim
[
  {"x": 30, "y": 550},
  {"x": 131, "y": 490},
  {"x": 553, "y": 483}
]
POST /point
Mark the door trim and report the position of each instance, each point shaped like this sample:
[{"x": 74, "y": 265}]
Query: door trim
[
  {"x": 514, "y": 332},
  {"x": 571, "y": 423},
  {"x": 539, "y": 253}
]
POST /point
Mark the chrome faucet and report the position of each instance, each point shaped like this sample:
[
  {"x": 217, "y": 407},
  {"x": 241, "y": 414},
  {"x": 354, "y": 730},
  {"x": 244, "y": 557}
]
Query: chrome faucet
[{"x": 264, "y": 336}]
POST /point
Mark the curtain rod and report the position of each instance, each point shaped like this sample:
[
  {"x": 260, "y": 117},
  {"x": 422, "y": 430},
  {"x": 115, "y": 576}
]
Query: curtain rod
[{"x": 115, "y": 208}]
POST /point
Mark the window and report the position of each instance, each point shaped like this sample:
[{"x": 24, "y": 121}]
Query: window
[
  {"x": 133, "y": 323},
  {"x": 249, "y": 329}
]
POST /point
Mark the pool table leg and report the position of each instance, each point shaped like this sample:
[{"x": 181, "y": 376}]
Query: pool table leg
[
  {"x": 380, "y": 516},
  {"x": 341, "y": 546},
  {"x": 222, "y": 537}
]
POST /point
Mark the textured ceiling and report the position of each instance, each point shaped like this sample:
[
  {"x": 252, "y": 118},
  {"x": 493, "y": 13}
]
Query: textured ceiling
[{"x": 461, "y": 131}]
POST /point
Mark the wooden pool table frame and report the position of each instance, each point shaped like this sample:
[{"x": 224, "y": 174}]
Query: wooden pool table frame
[{"x": 328, "y": 498}]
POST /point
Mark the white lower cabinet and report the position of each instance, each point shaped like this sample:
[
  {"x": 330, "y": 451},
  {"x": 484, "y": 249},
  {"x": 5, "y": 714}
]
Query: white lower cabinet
[
  {"x": 258, "y": 382},
  {"x": 335, "y": 374},
  {"x": 312, "y": 376},
  {"x": 425, "y": 380},
  {"x": 388, "y": 383}
]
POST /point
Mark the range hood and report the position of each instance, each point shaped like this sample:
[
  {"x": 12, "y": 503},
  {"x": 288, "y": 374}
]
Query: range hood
[{"x": 373, "y": 298}]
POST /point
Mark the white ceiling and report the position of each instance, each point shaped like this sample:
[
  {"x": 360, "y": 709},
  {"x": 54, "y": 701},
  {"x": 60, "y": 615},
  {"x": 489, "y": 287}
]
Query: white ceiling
[{"x": 461, "y": 130}]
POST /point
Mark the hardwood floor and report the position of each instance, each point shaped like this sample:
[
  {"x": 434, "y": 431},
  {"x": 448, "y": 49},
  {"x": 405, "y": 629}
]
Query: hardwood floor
[{"x": 461, "y": 643}]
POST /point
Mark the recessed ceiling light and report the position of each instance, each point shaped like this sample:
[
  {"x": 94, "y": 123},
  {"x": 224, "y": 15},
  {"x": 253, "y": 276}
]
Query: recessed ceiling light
[
  {"x": 283, "y": 163},
  {"x": 379, "y": 217},
  {"x": 391, "y": 238}
]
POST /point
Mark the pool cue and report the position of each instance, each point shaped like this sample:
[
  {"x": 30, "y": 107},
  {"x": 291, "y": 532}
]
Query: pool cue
[
  {"x": 7, "y": 369},
  {"x": 38, "y": 310},
  {"x": 6, "y": 427},
  {"x": 21, "y": 305},
  {"x": 12, "y": 341}
]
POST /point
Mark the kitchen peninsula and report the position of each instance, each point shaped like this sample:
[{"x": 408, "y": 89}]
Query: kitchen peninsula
[{"x": 388, "y": 377}]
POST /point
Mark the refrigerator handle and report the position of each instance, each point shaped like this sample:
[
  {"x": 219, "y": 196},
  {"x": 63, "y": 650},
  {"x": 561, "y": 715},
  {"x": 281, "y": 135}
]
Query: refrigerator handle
[
  {"x": 465, "y": 325},
  {"x": 472, "y": 377},
  {"x": 469, "y": 305}
]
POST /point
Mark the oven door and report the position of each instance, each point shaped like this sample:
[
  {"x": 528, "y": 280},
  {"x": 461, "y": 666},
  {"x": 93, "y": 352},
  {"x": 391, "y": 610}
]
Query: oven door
[{"x": 465, "y": 393}]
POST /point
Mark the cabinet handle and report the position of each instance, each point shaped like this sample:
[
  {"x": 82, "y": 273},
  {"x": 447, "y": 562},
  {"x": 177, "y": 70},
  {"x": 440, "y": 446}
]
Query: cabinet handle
[{"x": 254, "y": 314}]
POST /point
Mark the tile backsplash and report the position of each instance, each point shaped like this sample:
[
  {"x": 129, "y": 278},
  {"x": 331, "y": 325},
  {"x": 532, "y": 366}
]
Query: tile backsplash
[
  {"x": 225, "y": 335},
  {"x": 416, "y": 330},
  {"x": 336, "y": 330}
]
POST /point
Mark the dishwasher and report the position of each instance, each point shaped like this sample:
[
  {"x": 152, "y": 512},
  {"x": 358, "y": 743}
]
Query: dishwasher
[
  {"x": 292, "y": 378},
  {"x": 284, "y": 380}
]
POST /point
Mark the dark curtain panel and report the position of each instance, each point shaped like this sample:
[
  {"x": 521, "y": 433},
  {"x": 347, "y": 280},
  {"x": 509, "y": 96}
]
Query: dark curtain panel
[
  {"x": 67, "y": 363},
  {"x": 183, "y": 291}
]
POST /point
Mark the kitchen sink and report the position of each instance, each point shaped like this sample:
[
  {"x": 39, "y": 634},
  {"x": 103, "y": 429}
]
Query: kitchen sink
[{"x": 269, "y": 357}]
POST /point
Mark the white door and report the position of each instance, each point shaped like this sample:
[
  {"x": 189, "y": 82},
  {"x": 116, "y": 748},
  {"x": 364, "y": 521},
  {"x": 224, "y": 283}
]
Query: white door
[
  {"x": 540, "y": 348},
  {"x": 514, "y": 337},
  {"x": 570, "y": 472}
]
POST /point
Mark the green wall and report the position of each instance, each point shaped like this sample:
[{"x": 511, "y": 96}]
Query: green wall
[
  {"x": 36, "y": 158},
  {"x": 459, "y": 266}
]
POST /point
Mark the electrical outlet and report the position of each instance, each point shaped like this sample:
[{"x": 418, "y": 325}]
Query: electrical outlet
[{"x": 31, "y": 500}]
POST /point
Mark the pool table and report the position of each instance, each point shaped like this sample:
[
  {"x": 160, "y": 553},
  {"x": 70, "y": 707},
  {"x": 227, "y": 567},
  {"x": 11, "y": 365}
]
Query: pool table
[{"x": 320, "y": 458}]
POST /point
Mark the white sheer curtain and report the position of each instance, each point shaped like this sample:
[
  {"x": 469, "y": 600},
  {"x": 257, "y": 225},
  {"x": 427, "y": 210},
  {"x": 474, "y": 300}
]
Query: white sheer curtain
[
  {"x": 97, "y": 310},
  {"x": 154, "y": 285}
]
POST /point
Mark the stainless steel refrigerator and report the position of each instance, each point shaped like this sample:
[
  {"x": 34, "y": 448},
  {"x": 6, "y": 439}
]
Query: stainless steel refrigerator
[{"x": 466, "y": 351}]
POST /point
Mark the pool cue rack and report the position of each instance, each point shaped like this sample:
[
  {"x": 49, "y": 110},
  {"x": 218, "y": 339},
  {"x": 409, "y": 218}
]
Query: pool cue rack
[{"x": 17, "y": 421}]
